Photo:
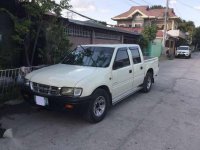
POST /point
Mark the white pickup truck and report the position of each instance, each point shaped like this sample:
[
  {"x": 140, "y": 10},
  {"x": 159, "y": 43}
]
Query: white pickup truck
[{"x": 95, "y": 76}]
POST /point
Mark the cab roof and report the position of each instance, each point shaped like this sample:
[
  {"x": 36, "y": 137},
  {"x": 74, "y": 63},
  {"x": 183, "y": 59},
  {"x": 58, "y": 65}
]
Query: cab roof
[{"x": 112, "y": 45}]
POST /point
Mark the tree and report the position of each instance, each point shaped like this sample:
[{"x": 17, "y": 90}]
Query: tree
[
  {"x": 156, "y": 7},
  {"x": 143, "y": 42},
  {"x": 7, "y": 53},
  {"x": 187, "y": 27},
  {"x": 196, "y": 37},
  {"x": 148, "y": 35},
  {"x": 181, "y": 41},
  {"x": 28, "y": 30},
  {"x": 57, "y": 43},
  {"x": 149, "y": 32}
]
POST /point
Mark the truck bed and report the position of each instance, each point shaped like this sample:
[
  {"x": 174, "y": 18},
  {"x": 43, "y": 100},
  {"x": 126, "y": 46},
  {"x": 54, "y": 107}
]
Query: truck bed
[
  {"x": 151, "y": 62},
  {"x": 149, "y": 58}
]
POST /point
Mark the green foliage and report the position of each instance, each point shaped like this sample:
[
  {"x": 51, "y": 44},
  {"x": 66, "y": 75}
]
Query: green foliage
[
  {"x": 143, "y": 42},
  {"x": 182, "y": 42},
  {"x": 30, "y": 29},
  {"x": 148, "y": 35},
  {"x": 149, "y": 32},
  {"x": 8, "y": 55},
  {"x": 156, "y": 7},
  {"x": 22, "y": 28},
  {"x": 196, "y": 37},
  {"x": 57, "y": 43},
  {"x": 186, "y": 26},
  {"x": 36, "y": 10}
]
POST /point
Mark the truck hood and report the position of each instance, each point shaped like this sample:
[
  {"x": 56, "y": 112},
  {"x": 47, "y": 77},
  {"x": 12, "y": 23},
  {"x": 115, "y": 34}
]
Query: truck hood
[{"x": 60, "y": 75}]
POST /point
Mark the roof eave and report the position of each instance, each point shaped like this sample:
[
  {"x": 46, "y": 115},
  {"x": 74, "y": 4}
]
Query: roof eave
[
  {"x": 148, "y": 17},
  {"x": 120, "y": 18}
]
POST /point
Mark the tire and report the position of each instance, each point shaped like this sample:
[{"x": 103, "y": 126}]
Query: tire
[
  {"x": 98, "y": 106},
  {"x": 148, "y": 80}
]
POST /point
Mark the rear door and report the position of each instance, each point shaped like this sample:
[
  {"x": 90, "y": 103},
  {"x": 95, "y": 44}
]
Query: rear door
[
  {"x": 122, "y": 75},
  {"x": 138, "y": 67}
]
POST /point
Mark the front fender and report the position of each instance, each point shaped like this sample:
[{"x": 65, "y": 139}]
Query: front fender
[{"x": 91, "y": 83}]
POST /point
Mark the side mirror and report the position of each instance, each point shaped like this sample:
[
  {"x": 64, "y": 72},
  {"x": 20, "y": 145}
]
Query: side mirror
[{"x": 117, "y": 65}]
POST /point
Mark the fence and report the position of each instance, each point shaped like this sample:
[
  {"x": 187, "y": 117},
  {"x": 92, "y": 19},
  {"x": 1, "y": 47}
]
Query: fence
[{"x": 10, "y": 79}]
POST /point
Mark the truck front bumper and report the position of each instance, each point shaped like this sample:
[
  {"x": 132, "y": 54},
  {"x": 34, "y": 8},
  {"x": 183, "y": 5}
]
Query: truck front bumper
[
  {"x": 54, "y": 102},
  {"x": 182, "y": 54}
]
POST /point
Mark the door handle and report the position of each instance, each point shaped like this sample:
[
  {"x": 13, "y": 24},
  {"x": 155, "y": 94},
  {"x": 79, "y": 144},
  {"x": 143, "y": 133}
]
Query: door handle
[
  {"x": 130, "y": 71},
  {"x": 141, "y": 67}
]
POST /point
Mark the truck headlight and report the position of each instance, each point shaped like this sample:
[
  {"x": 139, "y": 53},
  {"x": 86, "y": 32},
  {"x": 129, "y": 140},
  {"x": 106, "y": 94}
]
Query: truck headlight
[{"x": 69, "y": 91}]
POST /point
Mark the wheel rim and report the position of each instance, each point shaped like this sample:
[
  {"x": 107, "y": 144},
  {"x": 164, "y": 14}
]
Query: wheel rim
[
  {"x": 148, "y": 83},
  {"x": 99, "y": 106}
]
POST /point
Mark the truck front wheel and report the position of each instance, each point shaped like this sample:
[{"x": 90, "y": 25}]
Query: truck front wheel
[
  {"x": 98, "y": 106},
  {"x": 148, "y": 80}
]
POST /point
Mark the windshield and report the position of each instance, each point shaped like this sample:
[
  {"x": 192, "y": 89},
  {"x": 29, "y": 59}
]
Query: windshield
[
  {"x": 183, "y": 48},
  {"x": 89, "y": 56}
]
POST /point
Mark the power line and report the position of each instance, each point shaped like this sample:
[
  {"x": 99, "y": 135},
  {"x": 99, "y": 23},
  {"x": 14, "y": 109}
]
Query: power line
[
  {"x": 97, "y": 21},
  {"x": 147, "y": 2},
  {"x": 187, "y": 5},
  {"x": 135, "y": 2},
  {"x": 178, "y": 10},
  {"x": 128, "y": 3},
  {"x": 165, "y": 23}
]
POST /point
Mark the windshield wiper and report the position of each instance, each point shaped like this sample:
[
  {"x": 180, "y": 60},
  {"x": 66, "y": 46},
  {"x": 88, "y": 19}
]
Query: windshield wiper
[
  {"x": 86, "y": 51},
  {"x": 82, "y": 47}
]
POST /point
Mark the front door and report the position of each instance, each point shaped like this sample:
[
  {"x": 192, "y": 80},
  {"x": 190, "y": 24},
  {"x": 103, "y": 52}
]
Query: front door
[{"x": 122, "y": 75}]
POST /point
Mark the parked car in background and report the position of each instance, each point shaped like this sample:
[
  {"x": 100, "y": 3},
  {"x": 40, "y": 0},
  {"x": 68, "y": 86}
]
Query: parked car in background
[
  {"x": 183, "y": 51},
  {"x": 96, "y": 76}
]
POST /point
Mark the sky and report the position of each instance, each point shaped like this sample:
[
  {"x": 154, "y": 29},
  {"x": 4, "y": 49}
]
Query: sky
[{"x": 104, "y": 10}]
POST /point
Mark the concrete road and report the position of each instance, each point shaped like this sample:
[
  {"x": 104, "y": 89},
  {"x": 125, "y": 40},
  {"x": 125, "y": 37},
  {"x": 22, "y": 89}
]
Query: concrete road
[{"x": 167, "y": 118}]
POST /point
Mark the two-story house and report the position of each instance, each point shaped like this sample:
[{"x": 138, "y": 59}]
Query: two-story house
[
  {"x": 137, "y": 17},
  {"x": 140, "y": 16}
]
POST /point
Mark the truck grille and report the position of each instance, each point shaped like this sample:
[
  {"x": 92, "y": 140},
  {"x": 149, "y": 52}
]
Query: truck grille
[{"x": 45, "y": 89}]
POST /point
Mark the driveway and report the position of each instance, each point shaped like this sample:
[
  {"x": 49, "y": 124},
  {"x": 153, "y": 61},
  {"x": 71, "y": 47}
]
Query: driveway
[{"x": 167, "y": 118}]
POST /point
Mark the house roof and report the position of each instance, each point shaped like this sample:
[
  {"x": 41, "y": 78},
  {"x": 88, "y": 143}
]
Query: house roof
[
  {"x": 93, "y": 24},
  {"x": 100, "y": 26},
  {"x": 145, "y": 11}
]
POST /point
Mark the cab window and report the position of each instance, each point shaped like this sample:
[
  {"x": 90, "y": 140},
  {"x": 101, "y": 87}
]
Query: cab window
[
  {"x": 121, "y": 59},
  {"x": 135, "y": 55}
]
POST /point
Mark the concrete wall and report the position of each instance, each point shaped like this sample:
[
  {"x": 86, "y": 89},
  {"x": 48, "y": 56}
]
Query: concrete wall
[
  {"x": 85, "y": 40},
  {"x": 104, "y": 41},
  {"x": 82, "y": 35},
  {"x": 155, "y": 48},
  {"x": 79, "y": 41}
]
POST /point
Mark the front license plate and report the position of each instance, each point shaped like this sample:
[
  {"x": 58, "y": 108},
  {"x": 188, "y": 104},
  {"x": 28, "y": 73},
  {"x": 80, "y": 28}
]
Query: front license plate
[{"x": 42, "y": 101}]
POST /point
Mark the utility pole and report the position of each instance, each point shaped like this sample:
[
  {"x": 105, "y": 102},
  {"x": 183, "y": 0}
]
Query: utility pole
[{"x": 165, "y": 22}]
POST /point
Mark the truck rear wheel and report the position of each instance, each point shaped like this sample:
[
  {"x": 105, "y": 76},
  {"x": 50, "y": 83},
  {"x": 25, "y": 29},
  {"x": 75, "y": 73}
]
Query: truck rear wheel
[
  {"x": 98, "y": 106},
  {"x": 148, "y": 80}
]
